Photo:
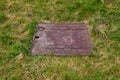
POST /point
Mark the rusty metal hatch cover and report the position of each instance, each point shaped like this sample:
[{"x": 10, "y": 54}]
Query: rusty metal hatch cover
[{"x": 61, "y": 39}]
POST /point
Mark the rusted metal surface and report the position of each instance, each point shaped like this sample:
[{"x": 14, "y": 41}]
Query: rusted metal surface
[{"x": 61, "y": 39}]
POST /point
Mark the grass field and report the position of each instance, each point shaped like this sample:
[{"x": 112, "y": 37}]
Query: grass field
[{"x": 17, "y": 23}]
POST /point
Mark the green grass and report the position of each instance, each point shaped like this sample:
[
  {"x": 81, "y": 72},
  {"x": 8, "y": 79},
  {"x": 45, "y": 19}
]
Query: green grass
[
  {"x": 17, "y": 23},
  {"x": 2, "y": 17}
]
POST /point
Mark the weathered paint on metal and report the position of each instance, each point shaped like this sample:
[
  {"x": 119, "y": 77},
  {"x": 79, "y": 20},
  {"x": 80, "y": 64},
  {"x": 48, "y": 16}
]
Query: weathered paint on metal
[{"x": 61, "y": 39}]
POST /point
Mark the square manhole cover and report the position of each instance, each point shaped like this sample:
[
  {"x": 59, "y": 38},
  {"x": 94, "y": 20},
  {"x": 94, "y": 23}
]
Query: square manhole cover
[{"x": 61, "y": 39}]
